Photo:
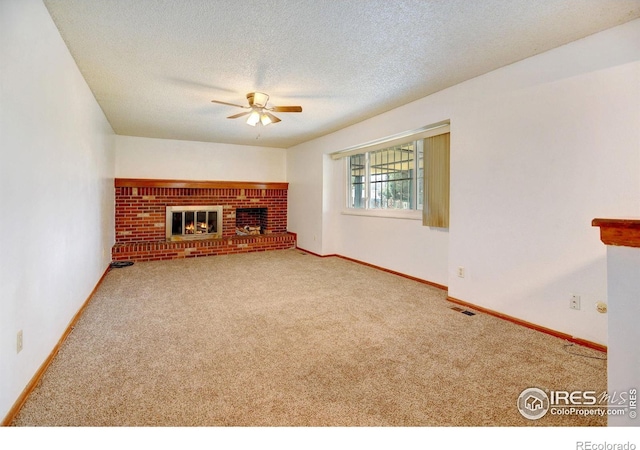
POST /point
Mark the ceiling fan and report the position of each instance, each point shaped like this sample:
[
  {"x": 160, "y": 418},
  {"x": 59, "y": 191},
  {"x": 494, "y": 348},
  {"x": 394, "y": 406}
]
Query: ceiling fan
[{"x": 259, "y": 111}]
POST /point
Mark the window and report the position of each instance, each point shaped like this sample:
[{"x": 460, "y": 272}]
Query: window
[
  {"x": 400, "y": 175},
  {"x": 388, "y": 178}
]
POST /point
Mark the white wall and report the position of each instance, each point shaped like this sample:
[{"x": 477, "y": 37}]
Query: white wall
[
  {"x": 138, "y": 157},
  {"x": 305, "y": 196},
  {"x": 56, "y": 191},
  {"x": 623, "y": 359},
  {"x": 538, "y": 149}
]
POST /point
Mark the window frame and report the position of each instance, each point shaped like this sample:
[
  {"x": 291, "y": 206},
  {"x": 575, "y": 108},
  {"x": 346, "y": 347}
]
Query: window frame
[{"x": 380, "y": 144}]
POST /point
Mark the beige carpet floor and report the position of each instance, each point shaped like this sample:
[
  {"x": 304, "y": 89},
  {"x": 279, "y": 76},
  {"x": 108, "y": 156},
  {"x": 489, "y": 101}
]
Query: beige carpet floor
[{"x": 284, "y": 338}]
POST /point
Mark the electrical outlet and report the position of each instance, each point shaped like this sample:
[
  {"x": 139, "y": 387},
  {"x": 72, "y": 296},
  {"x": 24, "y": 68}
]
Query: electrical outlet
[
  {"x": 574, "y": 303},
  {"x": 601, "y": 307},
  {"x": 19, "y": 342},
  {"x": 461, "y": 272}
]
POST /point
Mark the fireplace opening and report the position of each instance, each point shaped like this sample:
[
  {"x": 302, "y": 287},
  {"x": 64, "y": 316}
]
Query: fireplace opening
[
  {"x": 250, "y": 221},
  {"x": 193, "y": 222}
]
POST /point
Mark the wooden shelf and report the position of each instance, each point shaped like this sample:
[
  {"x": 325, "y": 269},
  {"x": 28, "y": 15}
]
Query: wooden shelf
[{"x": 620, "y": 232}]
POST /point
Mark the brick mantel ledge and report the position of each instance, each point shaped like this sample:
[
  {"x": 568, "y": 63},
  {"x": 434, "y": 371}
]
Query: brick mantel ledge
[
  {"x": 620, "y": 232},
  {"x": 194, "y": 184}
]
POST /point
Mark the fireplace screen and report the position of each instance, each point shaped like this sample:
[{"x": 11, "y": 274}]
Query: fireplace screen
[{"x": 193, "y": 222}]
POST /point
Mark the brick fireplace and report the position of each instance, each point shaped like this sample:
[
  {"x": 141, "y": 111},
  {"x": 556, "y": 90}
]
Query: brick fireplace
[{"x": 141, "y": 218}]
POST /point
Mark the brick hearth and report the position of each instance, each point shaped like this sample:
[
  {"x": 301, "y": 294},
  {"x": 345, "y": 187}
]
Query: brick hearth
[{"x": 141, "y": 207}]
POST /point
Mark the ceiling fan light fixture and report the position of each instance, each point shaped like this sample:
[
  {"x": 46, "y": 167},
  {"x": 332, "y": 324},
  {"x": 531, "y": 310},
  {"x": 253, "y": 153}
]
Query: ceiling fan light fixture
[
  {"x": 258, "y": 99},
  {"x": 265, "y": 119},
  {"x": 258, "y": 111},
  {"x": 254, "y": 118}
]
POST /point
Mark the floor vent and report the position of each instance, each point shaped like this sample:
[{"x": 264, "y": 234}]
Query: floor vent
[{"x": 463, "y": 311}]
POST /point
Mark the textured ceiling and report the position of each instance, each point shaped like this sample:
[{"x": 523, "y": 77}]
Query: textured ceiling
[{"x": 155, "y": 65}]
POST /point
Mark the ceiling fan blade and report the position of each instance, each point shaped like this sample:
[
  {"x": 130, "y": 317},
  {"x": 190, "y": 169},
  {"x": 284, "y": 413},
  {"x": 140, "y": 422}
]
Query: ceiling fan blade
[
  {"x": 235, "y": 116},
  {"x": 228, "y": 104},
  {"x": 273, "y": 118},
  {"x": 286, "y": 109}
]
